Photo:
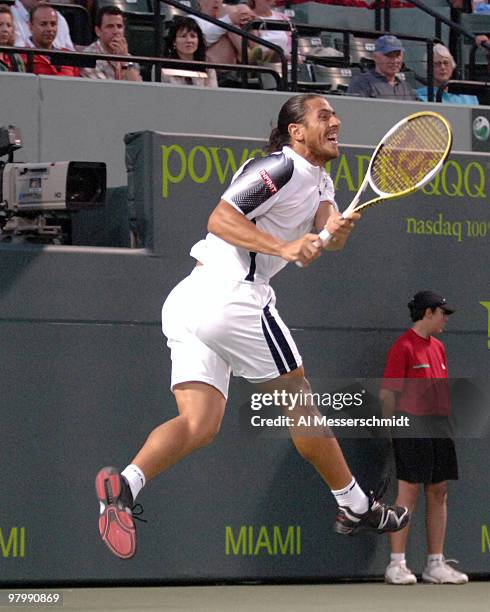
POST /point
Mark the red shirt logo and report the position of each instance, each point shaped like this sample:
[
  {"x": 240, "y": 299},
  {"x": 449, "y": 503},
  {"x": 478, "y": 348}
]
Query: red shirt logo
[{"x": 268, "y": 181}]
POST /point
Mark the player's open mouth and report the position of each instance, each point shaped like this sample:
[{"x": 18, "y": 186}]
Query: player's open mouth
[{"x": 333, "y": 138}]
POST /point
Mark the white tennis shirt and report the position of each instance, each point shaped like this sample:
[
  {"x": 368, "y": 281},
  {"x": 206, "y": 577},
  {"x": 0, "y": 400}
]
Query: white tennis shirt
[{"x": 280, "y": 193}]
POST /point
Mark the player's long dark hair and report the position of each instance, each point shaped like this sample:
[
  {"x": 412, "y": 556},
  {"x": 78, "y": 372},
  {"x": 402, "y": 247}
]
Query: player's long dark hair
[{"x": 293, "y": 111}]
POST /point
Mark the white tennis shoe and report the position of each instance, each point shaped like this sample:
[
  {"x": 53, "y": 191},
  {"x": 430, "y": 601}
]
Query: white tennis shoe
[
  {"x": 440, "y": 572},
  {"x": 397, "y": 572}
]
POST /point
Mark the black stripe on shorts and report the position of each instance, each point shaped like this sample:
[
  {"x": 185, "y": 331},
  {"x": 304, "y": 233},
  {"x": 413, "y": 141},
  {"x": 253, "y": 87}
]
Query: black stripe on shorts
[
  {"x": 280, "y": 338},
  {"x": 274, "y": 352}
]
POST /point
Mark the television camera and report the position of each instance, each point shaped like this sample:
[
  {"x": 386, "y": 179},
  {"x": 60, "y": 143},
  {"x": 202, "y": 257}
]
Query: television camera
[{"x": 37, "y": 200}]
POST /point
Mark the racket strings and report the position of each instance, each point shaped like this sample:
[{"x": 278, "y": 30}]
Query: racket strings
[{"x": 409, "y": 154}]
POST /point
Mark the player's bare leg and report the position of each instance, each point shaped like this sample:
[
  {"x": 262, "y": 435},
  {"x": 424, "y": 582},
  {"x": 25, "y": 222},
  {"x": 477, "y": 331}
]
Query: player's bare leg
[
  {"x": 201, "y": 408},
  {"x": 318, "y": 445}
]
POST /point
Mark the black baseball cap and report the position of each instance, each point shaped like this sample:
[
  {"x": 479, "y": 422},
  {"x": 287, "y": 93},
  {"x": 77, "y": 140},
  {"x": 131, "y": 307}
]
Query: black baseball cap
[{"x": 430, "y": 299}]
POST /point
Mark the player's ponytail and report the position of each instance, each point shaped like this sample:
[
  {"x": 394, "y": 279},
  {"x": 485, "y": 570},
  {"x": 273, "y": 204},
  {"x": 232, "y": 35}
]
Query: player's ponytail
[
  {"x": 276, "y": 141},
  {"x": 293, "y": 111}
]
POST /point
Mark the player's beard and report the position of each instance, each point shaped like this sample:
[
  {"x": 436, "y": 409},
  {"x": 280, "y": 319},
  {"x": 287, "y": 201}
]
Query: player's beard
[{"x": 325, "y": 152}]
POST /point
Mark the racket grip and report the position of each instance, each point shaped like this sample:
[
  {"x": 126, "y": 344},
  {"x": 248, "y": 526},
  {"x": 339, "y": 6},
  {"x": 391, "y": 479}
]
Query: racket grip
[{"x": 324, "y": 236}]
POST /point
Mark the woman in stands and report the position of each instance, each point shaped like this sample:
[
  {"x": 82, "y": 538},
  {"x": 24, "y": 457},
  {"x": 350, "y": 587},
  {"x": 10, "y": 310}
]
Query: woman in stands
[
  {"x": 263, "y": 9},
  {"x": 185, "y": 41},
  {"x": 9, "y": 62},
  {"x": 444, "y": 66}
]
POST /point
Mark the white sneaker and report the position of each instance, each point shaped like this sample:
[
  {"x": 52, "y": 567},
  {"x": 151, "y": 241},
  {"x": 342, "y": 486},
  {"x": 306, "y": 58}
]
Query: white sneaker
[
  {"x": 398, "y": 573},
  {"x": 439, "y": 572}
]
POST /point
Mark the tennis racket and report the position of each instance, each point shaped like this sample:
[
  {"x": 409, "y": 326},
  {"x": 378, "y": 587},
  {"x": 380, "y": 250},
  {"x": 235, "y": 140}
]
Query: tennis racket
[{"x": 406, "y": 159}]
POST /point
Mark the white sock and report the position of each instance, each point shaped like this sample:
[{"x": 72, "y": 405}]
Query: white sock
[
  {"x": 434, "y": 558},
  {"x": 135, "y": 477},
  {"x": 353, "y": 497},
  {"x": 397, "y": 558}
]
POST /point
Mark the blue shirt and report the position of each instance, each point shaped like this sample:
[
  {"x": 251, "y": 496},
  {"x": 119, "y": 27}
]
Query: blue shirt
[{"x": 448, "y": 98}]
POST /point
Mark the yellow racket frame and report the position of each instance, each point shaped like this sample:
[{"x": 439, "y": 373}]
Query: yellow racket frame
[{"x": 382, "y": 196}]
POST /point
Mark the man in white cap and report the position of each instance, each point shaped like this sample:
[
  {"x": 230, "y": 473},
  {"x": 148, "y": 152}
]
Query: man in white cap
[{"x": 383, "y": 80}]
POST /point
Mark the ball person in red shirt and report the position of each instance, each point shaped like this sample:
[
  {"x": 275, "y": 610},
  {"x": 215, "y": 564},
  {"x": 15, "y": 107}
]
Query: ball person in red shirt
[{"x": 428, "y": 457}]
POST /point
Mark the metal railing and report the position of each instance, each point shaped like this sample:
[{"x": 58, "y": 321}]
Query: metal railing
[
  {"x": 88, "y": 60},
  {"x": 383, "y": 7},
  {"x": 275, "y": 25},
  {"x": 478, "y": 88},
  {"x": 304, "y": 28},
  {"x": 473, "y": 51},
  {"x": 225, "y": 26}
]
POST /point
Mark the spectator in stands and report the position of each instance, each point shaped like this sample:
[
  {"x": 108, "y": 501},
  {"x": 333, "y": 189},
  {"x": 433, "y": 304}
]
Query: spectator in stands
[
  {"x": 9, "y": 62},
  {"x": 44, "y": 27},
  {"x": 21, "y": 14},
  {"x": 484, "y": 40},
  {"x": 382, "y": 81},
  {"x": 110, "y": 32},
  {"x": 444, "y": 66},
  {"x": 223, "y": 46},
  {"x": 185, "y": 41},
  {"x": 263, "y": 9}
]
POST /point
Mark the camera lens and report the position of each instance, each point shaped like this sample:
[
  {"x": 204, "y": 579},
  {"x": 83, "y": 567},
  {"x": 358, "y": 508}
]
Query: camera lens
[{"x": 85, "y": 183}]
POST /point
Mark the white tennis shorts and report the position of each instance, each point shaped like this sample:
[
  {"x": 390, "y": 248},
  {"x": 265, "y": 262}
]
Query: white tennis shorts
[{"x": 215, "y": 327}]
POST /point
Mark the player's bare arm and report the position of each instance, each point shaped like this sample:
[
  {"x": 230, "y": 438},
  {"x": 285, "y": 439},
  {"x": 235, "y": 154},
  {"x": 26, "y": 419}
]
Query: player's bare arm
[
  {"x": 339, "y": 227},
  {"x": 230, "y": 225}
]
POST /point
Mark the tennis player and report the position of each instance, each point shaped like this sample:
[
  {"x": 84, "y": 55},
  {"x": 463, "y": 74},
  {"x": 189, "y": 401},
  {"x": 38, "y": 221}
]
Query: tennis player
[{"x": 222, "y": 319}]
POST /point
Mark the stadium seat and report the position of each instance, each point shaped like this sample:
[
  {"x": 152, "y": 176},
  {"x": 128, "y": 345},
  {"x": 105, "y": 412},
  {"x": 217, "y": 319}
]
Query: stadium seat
[
  {"x": 314, "y": 13},
  {"x": 482, "y": 90},
  {"x": 313, "y": 49},
  {"x": 361, "y": 51},
  {"x": 127, "y": 6},
  {"x": 316, "y": 78},
  {"x": 79, "y": 22},
  {"x": 140, "y": 30},
  {"x": 140, "y": 27},
  {"x": 305, "y": 76},
  {"x": 477, "y": 24},
  {"x": 333, "y": 79},
  {"x": 169, "y": 11}
]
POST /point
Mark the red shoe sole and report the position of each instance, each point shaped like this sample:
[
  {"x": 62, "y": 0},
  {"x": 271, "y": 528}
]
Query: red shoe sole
[{"x": 116, "y": 526}]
